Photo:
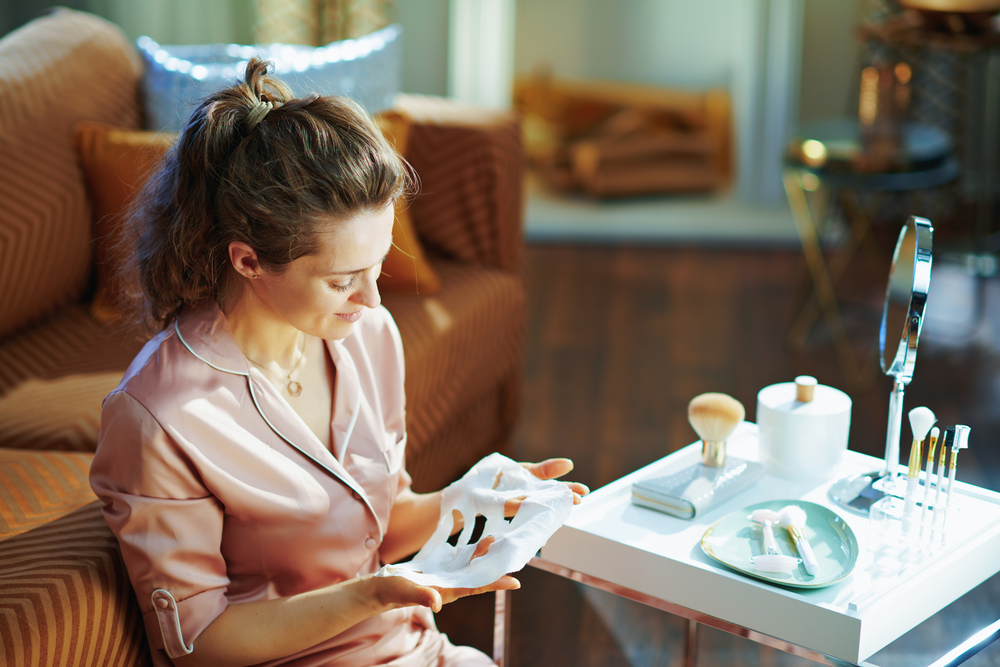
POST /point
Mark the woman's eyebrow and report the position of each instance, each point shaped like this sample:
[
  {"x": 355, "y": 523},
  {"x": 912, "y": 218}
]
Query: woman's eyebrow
[{"x": 356, "y": 271}]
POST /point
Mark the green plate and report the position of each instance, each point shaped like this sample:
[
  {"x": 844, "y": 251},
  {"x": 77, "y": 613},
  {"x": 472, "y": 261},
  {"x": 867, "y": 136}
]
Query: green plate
[{"x": 734, "y": 539}]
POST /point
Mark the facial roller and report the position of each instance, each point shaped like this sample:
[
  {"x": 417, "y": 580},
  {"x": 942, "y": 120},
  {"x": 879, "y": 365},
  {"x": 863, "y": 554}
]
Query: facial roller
[
  {"x": 775, "y": 563},
  {"x": 767, "y": 519}
]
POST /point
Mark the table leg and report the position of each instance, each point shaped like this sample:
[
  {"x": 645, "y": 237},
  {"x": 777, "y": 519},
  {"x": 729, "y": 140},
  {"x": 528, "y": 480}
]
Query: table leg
[
  {"x": 860, "y": 218},
  {"x": 501, "y": 627},
  {"x": 970, "y": 646},
  {"x": 813, "y": 253},
  {"x": 691, "y": 644}
]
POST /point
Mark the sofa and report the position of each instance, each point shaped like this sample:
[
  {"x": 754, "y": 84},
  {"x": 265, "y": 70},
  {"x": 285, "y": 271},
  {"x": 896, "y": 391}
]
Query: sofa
[{"x": 64, "y": 594}]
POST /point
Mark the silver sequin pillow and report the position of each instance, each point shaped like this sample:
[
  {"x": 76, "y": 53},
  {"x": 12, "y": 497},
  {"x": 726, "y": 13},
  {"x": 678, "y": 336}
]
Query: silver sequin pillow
[{"x": 177, "y": 77}]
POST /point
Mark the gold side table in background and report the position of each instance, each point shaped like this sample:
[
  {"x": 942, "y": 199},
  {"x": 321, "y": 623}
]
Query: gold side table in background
[{"x": 826, "y": 167}]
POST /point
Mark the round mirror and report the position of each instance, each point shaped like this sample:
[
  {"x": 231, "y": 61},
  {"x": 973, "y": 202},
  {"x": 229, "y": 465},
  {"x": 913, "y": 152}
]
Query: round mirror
[
  {"x": 905, "y": 298},
  {"x": 902, "y": 319}
]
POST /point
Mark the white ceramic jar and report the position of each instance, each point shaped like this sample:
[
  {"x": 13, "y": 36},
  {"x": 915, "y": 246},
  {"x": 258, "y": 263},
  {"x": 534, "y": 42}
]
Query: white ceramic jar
[{"x": 804, "y": 428}]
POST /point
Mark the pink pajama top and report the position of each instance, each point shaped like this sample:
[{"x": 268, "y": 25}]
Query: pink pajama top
[{"x": 219, "y": 493}]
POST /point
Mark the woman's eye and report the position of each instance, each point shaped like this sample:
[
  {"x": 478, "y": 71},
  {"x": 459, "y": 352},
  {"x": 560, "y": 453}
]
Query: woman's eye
[{"x": 343, "y": 288}]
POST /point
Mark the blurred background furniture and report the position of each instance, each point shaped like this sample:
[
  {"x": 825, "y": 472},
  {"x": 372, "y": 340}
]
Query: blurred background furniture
[
  {"x": 463, "y": 344},
  {"x": 611, "y": 140},
  {"x": 832, "y": 168}
]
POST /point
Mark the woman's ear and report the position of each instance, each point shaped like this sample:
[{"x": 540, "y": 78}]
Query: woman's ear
[{"x": 244, "y": 260}]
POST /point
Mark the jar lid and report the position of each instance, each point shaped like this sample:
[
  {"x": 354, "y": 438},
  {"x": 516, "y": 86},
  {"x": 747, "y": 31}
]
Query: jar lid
[{"x": 786, "y": 397}]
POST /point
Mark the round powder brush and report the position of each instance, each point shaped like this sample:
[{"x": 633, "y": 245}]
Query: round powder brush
[
  {"x": 714, "y": 417},
  {"x": 793, "y": 518},
  {"x": 921, "y": 421}
]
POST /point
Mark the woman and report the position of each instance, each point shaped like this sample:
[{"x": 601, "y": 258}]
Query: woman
[{"x": 251, "y": 460}]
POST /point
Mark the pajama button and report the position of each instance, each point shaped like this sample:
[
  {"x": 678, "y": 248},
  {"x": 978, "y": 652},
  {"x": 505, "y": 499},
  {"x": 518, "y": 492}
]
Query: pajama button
[
  {"x": 370, "y": 543},
  {"x": 162, "y": 603}
]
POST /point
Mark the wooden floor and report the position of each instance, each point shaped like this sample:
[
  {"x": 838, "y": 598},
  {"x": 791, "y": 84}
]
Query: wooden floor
[{"x": 620, "y": 339}]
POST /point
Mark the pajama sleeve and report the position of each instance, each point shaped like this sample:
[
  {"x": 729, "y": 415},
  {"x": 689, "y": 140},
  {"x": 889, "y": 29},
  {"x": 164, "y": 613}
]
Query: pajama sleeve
[{"x": 169, "y": 526}]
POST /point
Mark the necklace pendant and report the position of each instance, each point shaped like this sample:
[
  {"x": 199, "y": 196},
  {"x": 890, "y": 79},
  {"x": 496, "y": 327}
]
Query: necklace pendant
[{"x": 294, "y": 388}]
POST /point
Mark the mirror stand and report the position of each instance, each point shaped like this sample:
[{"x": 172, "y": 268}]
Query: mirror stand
[
  {"x": 905, "y": 298},
  {"x": 858, "y": 493}
]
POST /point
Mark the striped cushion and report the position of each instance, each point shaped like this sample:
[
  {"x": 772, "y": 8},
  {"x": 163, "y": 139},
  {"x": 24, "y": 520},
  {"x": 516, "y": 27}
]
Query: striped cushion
[
  {"x": 54, "y": 72},
  {"x": 65, "y": 598},
  {"x": 53, "y": 378},
  {"x": 471, "y": 166},
  {"x": 480, "y": 428},
  {"x": 460, "y": 345}
]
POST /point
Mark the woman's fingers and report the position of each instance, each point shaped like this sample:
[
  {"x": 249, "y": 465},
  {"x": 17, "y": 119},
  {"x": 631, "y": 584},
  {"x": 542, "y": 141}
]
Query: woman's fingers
[
  {"x": 511, "y": 506},
  {"x": 432, "y": 599},
  {"x": 482, "y": 547},
  {"x": 550, "y": 468},
  {"x": 579, "y": 490},
  {"x": 505, "y": 583},
  {"x": 555, "y": 468},
  {"x": 396, "y": 592}
]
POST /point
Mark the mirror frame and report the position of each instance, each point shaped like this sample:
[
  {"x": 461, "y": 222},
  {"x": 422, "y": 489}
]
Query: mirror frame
[{"x": 906, "y": 352}]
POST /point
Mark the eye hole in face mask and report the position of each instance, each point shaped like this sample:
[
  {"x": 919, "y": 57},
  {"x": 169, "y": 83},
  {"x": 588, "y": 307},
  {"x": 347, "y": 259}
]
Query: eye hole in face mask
[{"x": 483, "y": 492}]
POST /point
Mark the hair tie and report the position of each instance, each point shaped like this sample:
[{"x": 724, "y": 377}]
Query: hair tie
[{"x": 257, "y": 113}]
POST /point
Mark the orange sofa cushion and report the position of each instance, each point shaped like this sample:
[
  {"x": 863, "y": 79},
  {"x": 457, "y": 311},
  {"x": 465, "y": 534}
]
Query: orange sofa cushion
[
  {"x": 406, "y": 269},
  {"x": 116, "y": 163},
  {"x": 57, "y": 70},
  {"x": 65, "y": 597}
]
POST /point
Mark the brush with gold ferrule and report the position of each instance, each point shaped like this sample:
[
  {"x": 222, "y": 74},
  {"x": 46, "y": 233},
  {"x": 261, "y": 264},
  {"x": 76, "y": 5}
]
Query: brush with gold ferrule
[
  {"x": 961, "y": 442},
  {"x": 924, "y": 511},
  {"x": 921, "y": 421},
  {"x": 946, "y": 442}
]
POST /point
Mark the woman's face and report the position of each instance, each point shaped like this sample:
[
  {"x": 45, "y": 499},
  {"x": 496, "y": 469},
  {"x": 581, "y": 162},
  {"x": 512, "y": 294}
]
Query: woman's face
[{"x": 325, "y": 293}]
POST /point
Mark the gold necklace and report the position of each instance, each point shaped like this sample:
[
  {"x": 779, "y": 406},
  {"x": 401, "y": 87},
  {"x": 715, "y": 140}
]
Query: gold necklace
[{"x": 294, "y": 388}]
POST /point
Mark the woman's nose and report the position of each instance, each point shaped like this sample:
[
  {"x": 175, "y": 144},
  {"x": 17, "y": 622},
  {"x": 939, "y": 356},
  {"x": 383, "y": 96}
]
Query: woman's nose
[{"x": 367, "y": 293}]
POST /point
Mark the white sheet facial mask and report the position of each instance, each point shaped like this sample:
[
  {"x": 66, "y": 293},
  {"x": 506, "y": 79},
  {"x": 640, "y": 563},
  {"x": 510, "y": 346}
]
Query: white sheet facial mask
[{"x": 484, "y": 490}]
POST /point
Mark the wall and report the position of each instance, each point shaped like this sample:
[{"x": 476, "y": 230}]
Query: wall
[
  {"x": 181, "y": 21},
  {"x": 675, "y": 43},
  {"x": 166, "y": 21},
  {"x": 683, "y": 44},
  {"x": 829, "y": 63},
  {"x": 15, "y": 13},
  {"x": 425, "y": 45}
]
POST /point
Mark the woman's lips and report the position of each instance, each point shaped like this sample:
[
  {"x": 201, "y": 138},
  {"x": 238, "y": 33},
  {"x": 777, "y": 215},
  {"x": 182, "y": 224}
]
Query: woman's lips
[{"x": 350, "y": 317}]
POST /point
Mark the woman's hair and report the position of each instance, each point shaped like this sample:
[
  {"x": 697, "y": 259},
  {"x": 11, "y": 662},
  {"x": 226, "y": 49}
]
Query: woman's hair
[{"x": 255, "y": 165}]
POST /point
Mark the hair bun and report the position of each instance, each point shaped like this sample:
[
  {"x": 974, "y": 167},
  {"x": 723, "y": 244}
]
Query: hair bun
[
  {"x": 265, "y": 91},
  {"x": 257, "y": 113}
]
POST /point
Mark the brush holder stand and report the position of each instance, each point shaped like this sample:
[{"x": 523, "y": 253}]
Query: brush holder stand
[
  {"x": 885, "y": 526},
  {"x": 934, "y": 530}
]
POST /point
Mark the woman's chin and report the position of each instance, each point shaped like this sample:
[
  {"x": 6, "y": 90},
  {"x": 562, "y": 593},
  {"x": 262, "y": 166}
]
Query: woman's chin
[{"x": 337, "y": 329}]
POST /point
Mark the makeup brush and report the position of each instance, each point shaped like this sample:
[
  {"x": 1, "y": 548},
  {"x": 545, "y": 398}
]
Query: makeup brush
[
  {"x": 793, "y": 518},
  {"x": 961, "y": 442},
  {"x": 714, "y": 417},
  {"x": 946, "y": 443},
  {"x": 921, "y": 421},
  {"x": 714, "y": 479},
  {"x": 931, "y": 446}
]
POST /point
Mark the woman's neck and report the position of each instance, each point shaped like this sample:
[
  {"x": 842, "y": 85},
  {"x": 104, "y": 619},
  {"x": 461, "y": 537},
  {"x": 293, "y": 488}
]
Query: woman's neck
[{"x": 261, "y": 335}]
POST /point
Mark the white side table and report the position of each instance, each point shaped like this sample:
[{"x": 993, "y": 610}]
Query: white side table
[{"x": 656, "y": 559}]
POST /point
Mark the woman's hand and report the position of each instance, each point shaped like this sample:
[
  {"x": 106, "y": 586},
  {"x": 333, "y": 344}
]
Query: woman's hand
[
  {"x": 395, "y": 592},
  {"x": 549, "y": 469}
]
